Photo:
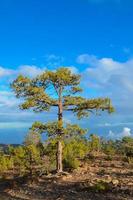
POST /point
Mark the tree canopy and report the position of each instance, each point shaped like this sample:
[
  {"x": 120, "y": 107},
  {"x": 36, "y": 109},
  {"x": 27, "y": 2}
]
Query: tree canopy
[{"x": 42, "y": 92}]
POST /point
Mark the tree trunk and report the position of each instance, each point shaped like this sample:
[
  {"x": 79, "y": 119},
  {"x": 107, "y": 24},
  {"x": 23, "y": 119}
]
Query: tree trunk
[
  {"x": 60, "y": 126},
  {"x": 59, "y": 157}
]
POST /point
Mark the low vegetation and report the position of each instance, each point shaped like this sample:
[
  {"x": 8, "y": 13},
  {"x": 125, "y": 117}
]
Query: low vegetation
[
  {"x": 94, "y": 166},
  {"x": 31, "y": 159}
]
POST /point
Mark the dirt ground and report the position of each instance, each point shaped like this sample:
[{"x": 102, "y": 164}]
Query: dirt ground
[{"x": 81, "y": 184}]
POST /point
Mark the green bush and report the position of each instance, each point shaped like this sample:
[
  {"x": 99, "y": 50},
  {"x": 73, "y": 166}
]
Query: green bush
[
  {"x": 25, "y": 158},
  {"x": 101, "y": 186},
  {"x": 109, "y": 148},
  {"x": 71, "y": 163},
  {"x": 6, "y": 163},
  {"x": 109, "y": 158},
  {"x": 74, "y": 150},
  {"x": 101, "y": 172},
  {"x": 94, "y": 143}
]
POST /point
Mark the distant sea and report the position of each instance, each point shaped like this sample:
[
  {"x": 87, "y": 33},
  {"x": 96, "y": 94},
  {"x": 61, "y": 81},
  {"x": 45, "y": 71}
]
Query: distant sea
[{"x": 17, "y": 135}]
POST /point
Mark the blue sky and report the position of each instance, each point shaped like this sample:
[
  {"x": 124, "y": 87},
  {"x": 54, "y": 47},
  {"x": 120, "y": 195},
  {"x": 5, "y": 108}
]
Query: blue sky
[{"x": 93, "y": 37}]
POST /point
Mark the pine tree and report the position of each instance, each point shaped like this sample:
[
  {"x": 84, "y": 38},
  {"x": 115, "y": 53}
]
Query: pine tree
[{"x": 59, "y": 89}]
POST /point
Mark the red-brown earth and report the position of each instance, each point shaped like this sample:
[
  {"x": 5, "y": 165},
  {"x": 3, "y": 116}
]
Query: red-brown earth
[{"x": 94, "y": 180}]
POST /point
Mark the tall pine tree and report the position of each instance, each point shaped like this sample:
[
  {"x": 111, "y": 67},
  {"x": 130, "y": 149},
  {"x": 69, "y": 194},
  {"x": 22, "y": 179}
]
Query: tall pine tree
[{"x": 59, "y": 89}]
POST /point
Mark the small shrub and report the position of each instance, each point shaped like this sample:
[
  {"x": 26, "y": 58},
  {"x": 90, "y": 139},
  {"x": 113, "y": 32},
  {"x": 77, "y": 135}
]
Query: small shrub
[
  {"x": 130, "y": 160},
  {"x": 109, "y": 148},
  {"x": 71, "y": 163},
  {"x": 74, "y": 150},
  {"x": 91, "y": 156},
  {"x": 101, "y": 186},
  {"x": 112, "y": 165},
  {"x": 6, "y": 163},
  {"x": 101, "y": 172},
  {"x": 109, "y": 158},
  {"x": 94, "y": 143}
]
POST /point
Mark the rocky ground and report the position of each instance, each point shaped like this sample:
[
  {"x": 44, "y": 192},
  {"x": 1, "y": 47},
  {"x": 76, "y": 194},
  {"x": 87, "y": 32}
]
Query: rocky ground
[{"x": 97, "y": 180}]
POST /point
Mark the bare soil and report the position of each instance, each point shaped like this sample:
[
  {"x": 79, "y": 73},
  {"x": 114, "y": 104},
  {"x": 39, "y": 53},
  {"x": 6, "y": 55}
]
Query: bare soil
[{"x": 81, "y": 184}]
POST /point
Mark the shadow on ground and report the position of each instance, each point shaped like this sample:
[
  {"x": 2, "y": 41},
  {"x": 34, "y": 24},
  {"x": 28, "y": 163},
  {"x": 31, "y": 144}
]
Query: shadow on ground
[{"x": 56, "y": 189}]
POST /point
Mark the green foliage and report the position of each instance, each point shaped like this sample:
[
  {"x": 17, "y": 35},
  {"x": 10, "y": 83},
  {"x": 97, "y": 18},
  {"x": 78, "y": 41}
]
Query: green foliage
[
  {"x": 93, "y": 104},
  {"x": 25, "y": 158},
  {"x": 101, "y": 186},
  {"x": 101, "y": 172},
  {"x": 109, "y": 158},
  {"x": 83, "y": 107},
  {"x": 70, "y": 162},
  {"x": 51, "y": 129},
  {"x": 74, "y": 150},
  {"x": 35, "y": 92},
  {"x": 109, "y": 148},
  {"x": 33, "y": 158},
  {"x": 127, "y": 144},
  {"x": 19, "y": 155},
  {"x": 94, "y": 143},
  {"x": 127, "y": 140},
  {"x": 62, "y": 83},
  {"x": 6, "y": 163}
]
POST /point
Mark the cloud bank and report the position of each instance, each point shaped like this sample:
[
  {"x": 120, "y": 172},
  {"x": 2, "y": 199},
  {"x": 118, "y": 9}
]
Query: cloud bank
[
  {"x": 126, "y": 132},
  {"x": 110, "y": 77}
]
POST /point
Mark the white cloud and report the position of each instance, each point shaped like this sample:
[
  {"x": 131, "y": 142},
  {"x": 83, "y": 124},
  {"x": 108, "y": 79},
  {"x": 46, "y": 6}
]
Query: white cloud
[
  {"x": 115, "y": 124},
  {"x": 53, "y": 60},
  {"x": 27, "y": 70},
  {"x": 52, "y": 57},
  {"x": 5, "y": 72},
  {"x": 109, "y": 77},
  {"x": 7, "y": 99},
  {"x": 73, "y": 69},
  {"x": 126, "y": 132},
  {"x": 86, "y": 59},
  {"x": 10, "y": 125},
  {"x": 30, "y": 70}
]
